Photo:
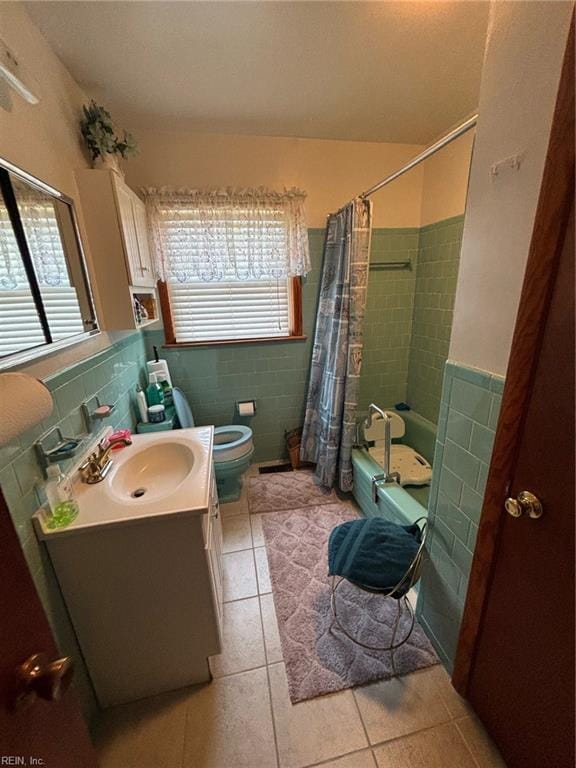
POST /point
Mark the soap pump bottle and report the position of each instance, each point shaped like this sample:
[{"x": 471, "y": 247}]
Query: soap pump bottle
[
  {"x": 154, "y": 391},
  {"x": 61, "y": 499}
]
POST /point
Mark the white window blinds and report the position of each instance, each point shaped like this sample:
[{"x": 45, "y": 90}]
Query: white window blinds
[
  {"x": 19, "y": 323},
  {"x": 219, "y": 311}
]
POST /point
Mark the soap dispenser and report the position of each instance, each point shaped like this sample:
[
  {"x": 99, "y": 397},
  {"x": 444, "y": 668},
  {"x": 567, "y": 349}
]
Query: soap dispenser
[{"x": 61, "y": 499}]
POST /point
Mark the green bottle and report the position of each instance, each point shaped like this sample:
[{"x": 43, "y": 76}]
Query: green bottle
[
  {"x": 154, "y": 391},
  {"x": 167, "y": 390}
]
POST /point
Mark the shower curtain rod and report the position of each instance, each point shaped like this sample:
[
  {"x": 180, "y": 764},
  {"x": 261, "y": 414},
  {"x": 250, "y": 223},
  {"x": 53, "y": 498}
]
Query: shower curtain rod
[{"x": 449, "y": 137}]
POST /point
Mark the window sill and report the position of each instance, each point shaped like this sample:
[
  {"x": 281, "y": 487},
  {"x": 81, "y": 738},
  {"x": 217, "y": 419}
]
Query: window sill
[{"x": 228, "y": 342}]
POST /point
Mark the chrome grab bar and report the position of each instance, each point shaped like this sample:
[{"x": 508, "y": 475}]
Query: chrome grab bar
[{"x": 387, "y": 476}]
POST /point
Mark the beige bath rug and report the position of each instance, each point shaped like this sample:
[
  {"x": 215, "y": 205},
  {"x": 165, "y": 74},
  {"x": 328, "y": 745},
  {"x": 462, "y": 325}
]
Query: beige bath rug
[{"x": 275, "y": 491}]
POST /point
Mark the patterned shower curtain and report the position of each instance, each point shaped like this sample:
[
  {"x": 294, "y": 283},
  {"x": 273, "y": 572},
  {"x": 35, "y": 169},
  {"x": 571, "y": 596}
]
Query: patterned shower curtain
[{"x": 330, "y": 423}]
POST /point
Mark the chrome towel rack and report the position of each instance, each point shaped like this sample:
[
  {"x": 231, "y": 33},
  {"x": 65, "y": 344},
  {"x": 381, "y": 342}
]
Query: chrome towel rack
[{"x": 378, "y": 265}]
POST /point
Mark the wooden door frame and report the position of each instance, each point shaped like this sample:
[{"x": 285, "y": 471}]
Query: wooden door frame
[{"x": 552, "y": 214}]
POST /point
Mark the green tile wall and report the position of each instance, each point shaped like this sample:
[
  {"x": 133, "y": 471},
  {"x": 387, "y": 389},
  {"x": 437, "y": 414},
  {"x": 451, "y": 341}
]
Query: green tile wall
[
  {"x": 112, "y": 375},
  {"x": 436, "y": 275},
  {"x": 388, "y": 320},
  {"x": 469, "y": 410},
  {"x": 276, "y": 375},
  {"x": 273, "y": 374}
]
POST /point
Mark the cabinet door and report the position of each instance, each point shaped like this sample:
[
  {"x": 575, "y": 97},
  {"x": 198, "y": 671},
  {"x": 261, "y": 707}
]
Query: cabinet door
[
  {"x": 215, "y": 551},
  {"x": 127, "y": 224},
  {"x": 141, "y": 226}
]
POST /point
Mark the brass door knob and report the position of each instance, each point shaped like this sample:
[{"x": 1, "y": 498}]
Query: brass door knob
[
  {"x": 524, "y": 504},
  {"x": 42, "y": 677}
]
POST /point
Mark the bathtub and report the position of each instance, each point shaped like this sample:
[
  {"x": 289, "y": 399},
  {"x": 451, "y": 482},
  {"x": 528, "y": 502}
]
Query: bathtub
[{"x": 400, "y": 505}]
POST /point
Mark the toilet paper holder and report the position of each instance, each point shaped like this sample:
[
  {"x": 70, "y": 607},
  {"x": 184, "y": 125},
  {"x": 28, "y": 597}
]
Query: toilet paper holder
[{"x": 246, "y": 407}]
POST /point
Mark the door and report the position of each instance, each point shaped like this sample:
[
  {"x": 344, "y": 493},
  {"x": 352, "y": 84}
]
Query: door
[
  {"x": 515, "y": 660},
  {"x": 48, "y": 733},
  {"x": 141, "y": 226},
  {"x": 128, "y": 226}
]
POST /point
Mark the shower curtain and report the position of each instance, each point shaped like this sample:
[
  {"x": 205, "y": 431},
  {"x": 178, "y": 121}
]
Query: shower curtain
[{"x": 330, "y": 422}]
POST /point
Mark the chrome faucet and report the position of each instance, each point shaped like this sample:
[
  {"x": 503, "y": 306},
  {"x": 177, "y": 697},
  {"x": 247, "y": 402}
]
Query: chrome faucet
[
  {"x": 98, "y": 464},
  {"x": 387, "y": 476}
]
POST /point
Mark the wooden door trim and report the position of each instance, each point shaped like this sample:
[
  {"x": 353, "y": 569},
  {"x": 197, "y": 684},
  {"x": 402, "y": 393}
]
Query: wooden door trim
[{"x": 552, "y": 214}]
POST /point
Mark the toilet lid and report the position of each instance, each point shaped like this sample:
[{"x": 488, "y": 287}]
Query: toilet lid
[{"x": 183, "y": 410}]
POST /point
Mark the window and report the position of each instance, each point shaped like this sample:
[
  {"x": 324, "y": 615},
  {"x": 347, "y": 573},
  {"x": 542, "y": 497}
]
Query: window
[
  {"x": 44, "y": 296},
  {"x": 223, "y": 311},
  {"x": 231, "y": 264}
]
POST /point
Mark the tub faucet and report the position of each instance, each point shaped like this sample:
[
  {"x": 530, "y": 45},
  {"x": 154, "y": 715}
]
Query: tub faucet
[{"x": 387, "y": 476}]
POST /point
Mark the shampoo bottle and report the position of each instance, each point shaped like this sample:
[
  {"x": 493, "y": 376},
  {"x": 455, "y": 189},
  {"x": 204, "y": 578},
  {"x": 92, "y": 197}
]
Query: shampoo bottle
[
  {"x": 61, "y": 499},
  {"x": 142, "y": 404}
]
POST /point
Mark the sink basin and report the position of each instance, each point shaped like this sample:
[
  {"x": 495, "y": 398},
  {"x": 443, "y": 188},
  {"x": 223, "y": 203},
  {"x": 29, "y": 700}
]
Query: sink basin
[
  {"x": 152, "y": 472},
  {"x": 162, "y": 473}
]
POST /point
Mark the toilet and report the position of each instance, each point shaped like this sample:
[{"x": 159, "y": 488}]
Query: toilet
[
  {"x": 410, "y": 465},
  {"x": 232, "y": 452}
]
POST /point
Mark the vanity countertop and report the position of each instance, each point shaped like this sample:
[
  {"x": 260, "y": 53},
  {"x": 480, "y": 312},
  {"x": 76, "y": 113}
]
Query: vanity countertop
[{"x": 159, "y": 475}]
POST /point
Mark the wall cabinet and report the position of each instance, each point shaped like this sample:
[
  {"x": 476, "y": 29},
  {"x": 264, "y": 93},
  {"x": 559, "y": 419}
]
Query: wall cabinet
[
  {"x": 132, "y": 217},
  {"x": 116, "y": 226}
]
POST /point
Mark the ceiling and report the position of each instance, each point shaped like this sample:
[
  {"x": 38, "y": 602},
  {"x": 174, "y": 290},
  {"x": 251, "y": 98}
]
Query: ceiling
[{"x": 363, "y": 71}]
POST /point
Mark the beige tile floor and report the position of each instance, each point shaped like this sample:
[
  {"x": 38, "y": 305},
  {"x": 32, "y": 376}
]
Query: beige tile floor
[{"x": 244, "y": 718}]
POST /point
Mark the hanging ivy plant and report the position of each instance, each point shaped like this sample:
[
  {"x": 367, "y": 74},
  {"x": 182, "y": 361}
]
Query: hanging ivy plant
[{"x": 100, "y": 134}]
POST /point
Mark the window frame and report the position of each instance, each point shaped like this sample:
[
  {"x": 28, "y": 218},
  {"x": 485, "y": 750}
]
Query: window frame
[
  {"x": 296, "y": 331},
  {"x": 49, "y": 346}
]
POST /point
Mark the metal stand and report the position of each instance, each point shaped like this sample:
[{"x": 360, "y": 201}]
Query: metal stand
[
  {"x": 409, "y": 579},
  {"x": 402, "y": 604}
]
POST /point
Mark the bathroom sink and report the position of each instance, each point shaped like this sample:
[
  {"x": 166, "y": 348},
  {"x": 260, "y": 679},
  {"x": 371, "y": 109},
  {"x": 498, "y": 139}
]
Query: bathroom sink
[
  {"x": 152, "y": 472},
  {"x": 162, "y": 473}
]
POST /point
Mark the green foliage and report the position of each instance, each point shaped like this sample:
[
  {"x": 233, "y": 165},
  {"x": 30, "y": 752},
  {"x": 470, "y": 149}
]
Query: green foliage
[{"x": 100, "y": 134}]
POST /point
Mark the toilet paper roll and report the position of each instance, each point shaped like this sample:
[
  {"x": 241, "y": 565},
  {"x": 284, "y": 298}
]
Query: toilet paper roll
[
  {"x": 24, "y": 402},
  {"x": 247, "y": 408},
  {"x": 159, "y": 367}
]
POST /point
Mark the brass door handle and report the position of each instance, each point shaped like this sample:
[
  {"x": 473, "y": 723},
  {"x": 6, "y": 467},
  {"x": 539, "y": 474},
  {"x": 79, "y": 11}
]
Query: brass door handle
[
  {"x": 524, "y": 504},
  {"x": 42, "y": 677}
]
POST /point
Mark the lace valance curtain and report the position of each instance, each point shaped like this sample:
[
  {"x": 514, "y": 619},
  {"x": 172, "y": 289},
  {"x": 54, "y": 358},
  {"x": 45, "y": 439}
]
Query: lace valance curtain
[{"x": 227, "y": 234}]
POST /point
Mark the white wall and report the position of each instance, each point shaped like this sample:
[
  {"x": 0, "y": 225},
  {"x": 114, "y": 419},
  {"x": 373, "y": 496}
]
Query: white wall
[
  {"x": 525, "y": 48},
  {"x": 331, "y": 172}
]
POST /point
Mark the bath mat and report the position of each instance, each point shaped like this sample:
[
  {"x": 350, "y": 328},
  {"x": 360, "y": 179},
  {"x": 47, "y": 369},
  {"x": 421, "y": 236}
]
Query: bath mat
[
  {"x": 319, "y": 661},
  {"x": 286, "y": 490}
]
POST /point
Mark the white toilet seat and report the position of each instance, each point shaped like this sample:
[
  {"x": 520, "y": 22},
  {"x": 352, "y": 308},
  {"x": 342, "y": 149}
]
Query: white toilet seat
[{"x": 230, "y": 442}]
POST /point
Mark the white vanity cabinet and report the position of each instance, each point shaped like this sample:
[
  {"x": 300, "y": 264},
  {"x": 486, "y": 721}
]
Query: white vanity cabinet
[
  {"x": 117, "y": 231},
  {"x": 144, "y": 596}
]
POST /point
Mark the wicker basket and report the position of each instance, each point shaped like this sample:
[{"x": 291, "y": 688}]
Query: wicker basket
[{"x": 293, "y": 439}]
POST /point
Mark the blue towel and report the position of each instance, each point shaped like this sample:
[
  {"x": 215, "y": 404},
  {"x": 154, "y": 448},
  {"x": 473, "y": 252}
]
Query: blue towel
[{"x": 374, "y": 552}]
